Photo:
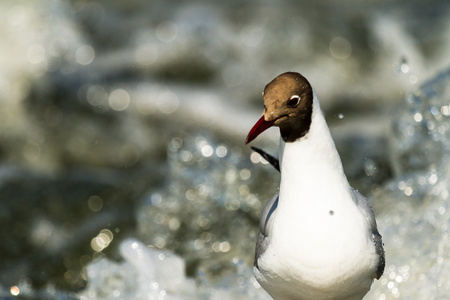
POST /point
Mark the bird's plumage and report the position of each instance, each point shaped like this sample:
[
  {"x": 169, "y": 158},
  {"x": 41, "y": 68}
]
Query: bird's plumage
[{"x": 318, "y": 237}]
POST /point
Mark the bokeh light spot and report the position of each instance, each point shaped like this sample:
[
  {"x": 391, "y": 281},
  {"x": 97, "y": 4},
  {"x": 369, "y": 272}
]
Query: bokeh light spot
[
  {"x": 119, "y": 100},
  {"x": 340, "y": 48},
  {"x": 102, "y": 240},
  {"x": 167, "y": 32},
  {"x": 85, "y": 55},
  {"x": 96, "y": 96},
  {"x": 221, "y": 151},
  {"x": 15, "y": 291},
  {"x": 207, "y": 150},
  {"x": 95, "y": 203}
]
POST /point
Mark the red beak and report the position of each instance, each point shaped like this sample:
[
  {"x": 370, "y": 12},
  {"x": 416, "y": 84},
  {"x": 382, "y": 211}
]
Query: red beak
[{"x": 259, "y": 127}]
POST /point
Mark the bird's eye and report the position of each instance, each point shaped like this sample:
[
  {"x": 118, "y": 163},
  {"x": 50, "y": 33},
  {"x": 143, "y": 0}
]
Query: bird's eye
[{"x": 294, "y": 101}]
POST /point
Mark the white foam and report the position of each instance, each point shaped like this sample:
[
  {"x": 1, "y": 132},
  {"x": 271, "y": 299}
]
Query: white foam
[{"x": 147, "y": 273}]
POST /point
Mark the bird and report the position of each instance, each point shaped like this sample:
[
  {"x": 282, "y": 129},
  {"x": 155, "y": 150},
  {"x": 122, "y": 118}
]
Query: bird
[{"x": 318, "y": 236}]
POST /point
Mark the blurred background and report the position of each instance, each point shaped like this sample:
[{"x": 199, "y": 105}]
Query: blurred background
[{"x": 123, "y": 170}]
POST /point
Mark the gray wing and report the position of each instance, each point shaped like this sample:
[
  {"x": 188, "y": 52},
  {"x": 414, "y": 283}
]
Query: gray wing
[
  {"x": 265, "y": 222},
  {"x": 367, "y": 211}
]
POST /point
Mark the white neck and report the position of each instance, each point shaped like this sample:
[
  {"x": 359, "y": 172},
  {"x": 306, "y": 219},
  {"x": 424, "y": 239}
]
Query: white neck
[{"x": 312, "y": 176}]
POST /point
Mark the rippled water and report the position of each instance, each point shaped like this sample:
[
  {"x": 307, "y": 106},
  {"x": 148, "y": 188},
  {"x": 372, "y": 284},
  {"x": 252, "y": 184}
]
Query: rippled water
[{"x": 123, "y": 126}]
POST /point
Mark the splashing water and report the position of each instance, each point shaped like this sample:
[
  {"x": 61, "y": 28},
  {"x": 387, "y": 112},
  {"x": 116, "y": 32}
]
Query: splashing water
[{"x": 413, "y": 209}]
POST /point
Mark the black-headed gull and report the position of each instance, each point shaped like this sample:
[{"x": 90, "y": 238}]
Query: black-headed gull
[{"x": 318, "y": 236}]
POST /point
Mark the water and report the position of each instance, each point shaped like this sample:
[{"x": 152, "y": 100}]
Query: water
[
  {"x": 413, "y": 208},
  {"x": 123, "y": 126}
]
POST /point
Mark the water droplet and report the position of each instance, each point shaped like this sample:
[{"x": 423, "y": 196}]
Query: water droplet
[
  {"x": 445, "y": 110},
  {"x": 85, "y": 55},
  {"x": 340, "y": 48},
  {"x": 95, "y": 203},
  {"x": 119, "y": 100},
  {"x": 412, "y": 78},
  {"x": 434, "y": 110},
  {"x": 207, "y": 150},
  {"x": 370, "y": 167},
  {"x": 245, "y": 174},
  {"x": 433, "y": 179},
  {"x": 15, "y": 291},
  {"x": 167, "y": 32},
  {"x": 418, "y": 117},
  {"x": 186, "y": 156},
  {"x": 408, "y": 191},
  {"x": 403, "y": 66},
  {"x": 221, "y": 151},
  {"x": 175, "y": 144},
  {"x": 255, "y": 158}
]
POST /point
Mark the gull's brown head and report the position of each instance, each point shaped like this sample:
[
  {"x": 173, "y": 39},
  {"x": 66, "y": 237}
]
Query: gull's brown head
[{"x": 288, "y": 101}]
